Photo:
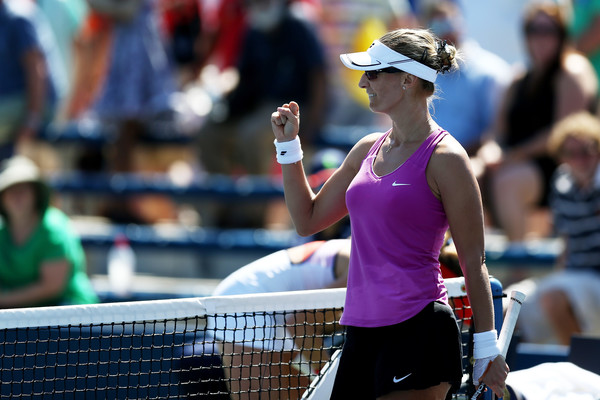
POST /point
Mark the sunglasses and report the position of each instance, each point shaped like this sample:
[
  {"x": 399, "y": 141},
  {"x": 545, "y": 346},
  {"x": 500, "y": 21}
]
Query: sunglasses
[
  {"x": 541, "y": 30},
  {"x": 580, "y": 153},
  {"x": 372, "y": 75}
]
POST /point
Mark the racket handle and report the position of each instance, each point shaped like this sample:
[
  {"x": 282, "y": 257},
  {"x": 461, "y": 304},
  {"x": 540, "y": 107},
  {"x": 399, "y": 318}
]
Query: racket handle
[
  {"x": 510, "y": 321},
  {"x": 508, "y": 327}
]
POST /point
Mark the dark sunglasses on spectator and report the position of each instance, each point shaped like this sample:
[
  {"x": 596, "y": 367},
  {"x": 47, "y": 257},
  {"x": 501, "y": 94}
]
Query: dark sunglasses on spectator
[
  {"x": 372, "y": 75},
  {"x": 541, "y": 30},
  {"x": 584, "y": 152}
]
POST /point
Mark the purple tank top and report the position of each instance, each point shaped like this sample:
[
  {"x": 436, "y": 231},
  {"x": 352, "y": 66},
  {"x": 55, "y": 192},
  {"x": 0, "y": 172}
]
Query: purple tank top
[{"x": 398, "y": 229}]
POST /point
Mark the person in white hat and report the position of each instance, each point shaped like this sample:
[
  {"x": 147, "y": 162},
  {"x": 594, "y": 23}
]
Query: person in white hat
[
  {"x": 402, "y": 189},
  {"x": 42, "y": 262}
]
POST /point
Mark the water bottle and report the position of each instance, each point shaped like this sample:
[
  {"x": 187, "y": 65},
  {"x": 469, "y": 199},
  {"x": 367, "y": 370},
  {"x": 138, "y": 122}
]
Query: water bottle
[{"x": 121, "y": 266}]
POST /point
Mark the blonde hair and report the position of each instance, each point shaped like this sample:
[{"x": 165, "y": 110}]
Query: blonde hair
[
  {"x": 582, "y": 125},
  {"x": 424, "y": 47}
]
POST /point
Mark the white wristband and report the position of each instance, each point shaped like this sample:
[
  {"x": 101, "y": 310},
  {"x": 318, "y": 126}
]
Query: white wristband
[
  {"x": 485, "y": 344},
  {"x": 288, "y": 152}
]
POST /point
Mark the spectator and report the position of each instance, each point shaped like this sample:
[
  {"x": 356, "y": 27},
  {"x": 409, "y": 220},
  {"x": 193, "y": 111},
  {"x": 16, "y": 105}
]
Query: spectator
[
  {"x": 222, "y": 27},
  {"x": 134, "y": 99},
  {"x": 139, "y": 79},
  {"x": 569, "y": 299},
  {"x": 281, "y": 58},
  {"x": 269, "y": 73},
  {"x": 181, "y": 20},
  {"x": 64, "y": 19},
  {"x": 474, "y": 91},
  {"x": 557, "y": 82},
  {"x": 91, "y": 59},
  {"x": 27, "y": 95},
  {"x": 42, "y": 262}
]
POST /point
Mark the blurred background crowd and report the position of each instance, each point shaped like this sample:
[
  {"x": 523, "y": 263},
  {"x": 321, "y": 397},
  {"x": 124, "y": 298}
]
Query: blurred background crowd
[{"x": 185, "y": 88}]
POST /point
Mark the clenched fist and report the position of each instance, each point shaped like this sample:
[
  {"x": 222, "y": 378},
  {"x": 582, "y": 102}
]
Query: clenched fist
[{"x": 286, "y": 122}]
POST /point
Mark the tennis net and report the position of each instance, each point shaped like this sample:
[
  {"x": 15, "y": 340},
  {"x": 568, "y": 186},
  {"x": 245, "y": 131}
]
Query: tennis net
[{"x": 275, "y": 345}]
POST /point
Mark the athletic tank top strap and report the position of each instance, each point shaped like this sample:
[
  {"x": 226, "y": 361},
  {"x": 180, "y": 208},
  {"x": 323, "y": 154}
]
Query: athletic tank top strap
[
  {"x": 423, "y": 154},
  {"x": 377, "y": 145}
]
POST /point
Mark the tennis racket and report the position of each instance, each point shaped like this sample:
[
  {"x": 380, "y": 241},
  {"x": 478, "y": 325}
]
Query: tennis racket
[
  {"x": 321, "y": 388},
  {"x": 508, "y": 327}
]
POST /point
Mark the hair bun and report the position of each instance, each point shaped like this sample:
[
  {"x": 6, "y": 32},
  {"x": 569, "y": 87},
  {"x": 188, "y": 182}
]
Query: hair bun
[{"x": 446, "y": 53}]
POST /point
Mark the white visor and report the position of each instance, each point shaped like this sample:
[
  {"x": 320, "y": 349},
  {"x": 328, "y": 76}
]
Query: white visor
[{"x": 379, "y": 56}]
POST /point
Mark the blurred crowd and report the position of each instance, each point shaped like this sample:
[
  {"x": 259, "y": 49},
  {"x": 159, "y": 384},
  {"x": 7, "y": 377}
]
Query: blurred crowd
[{"x": 208, "y": 73}]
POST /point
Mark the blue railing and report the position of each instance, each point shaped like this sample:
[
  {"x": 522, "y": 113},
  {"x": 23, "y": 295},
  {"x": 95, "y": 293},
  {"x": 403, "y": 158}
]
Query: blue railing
[
  {"x": 87, "y": 131},
  {"x": 222, "y": 187},
  {"x": 197, "y": 238}
]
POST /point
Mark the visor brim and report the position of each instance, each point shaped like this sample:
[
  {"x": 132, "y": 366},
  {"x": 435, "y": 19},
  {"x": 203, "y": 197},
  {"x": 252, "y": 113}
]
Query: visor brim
[{"x": 362, "y": 61}]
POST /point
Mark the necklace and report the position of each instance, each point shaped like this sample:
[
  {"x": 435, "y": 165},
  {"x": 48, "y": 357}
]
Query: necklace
[
  {"x": 392, "y": 141},
  {"x": 390, "y": 146}
]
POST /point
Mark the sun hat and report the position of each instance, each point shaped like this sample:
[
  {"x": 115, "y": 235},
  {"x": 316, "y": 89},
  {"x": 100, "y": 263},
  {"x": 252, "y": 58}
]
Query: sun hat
[
  {"x": 18, "y": 169},
  {"x": 379, "y": 56}
]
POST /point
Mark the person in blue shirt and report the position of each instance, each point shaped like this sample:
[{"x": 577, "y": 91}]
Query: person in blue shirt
[
  {"x": 27, "y": 93},
  {"x": 468, "y": 99}
]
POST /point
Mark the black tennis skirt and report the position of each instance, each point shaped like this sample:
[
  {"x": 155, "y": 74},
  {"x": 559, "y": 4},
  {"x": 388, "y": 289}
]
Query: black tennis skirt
[{"x": 416, "y": 354}]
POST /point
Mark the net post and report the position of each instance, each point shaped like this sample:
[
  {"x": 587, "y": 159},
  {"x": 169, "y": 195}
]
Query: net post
[{"x": 497, "y": 295}]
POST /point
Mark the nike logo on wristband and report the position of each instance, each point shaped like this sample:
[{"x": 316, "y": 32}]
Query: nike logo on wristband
[
  {"x": 283, "y": 152},
  {"x": 396, "y": 380},
  {"x": 400, "y": 184}
]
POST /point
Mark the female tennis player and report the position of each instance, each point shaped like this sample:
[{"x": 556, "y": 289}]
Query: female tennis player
[{"x": 402, "y": 189}]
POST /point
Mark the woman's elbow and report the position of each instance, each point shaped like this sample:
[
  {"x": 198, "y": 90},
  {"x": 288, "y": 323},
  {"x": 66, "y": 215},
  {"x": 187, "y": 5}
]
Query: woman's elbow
[
  {"x": 304, "y": 231},
  {"x": 306, "y": 227}
]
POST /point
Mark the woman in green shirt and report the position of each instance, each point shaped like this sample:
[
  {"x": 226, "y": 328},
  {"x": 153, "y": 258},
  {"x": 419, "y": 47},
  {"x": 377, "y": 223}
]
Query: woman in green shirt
[{"x": 42, "y": 262}]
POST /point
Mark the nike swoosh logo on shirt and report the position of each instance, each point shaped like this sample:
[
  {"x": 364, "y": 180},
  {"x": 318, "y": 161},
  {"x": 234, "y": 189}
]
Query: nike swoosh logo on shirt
[
  {"x": 401, "y": 379},
  {"x": 400, "y": 184}
]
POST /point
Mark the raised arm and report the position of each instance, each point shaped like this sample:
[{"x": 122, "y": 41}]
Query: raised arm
[{"x": 311, "y": 212}]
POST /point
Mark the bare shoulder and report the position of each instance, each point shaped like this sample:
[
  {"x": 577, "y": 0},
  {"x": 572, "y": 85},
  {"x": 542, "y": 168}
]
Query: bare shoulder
[
  {"x": 368, "y": 141},
  {"x": 360, "y": 150},
  {"x": 449, "y": 166},
  {"x": 578, "y": 71},
  {"x": 577, "y": 64},
  {"x": 449, "y": 172},
  {"x": 449, "y": 151}
]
